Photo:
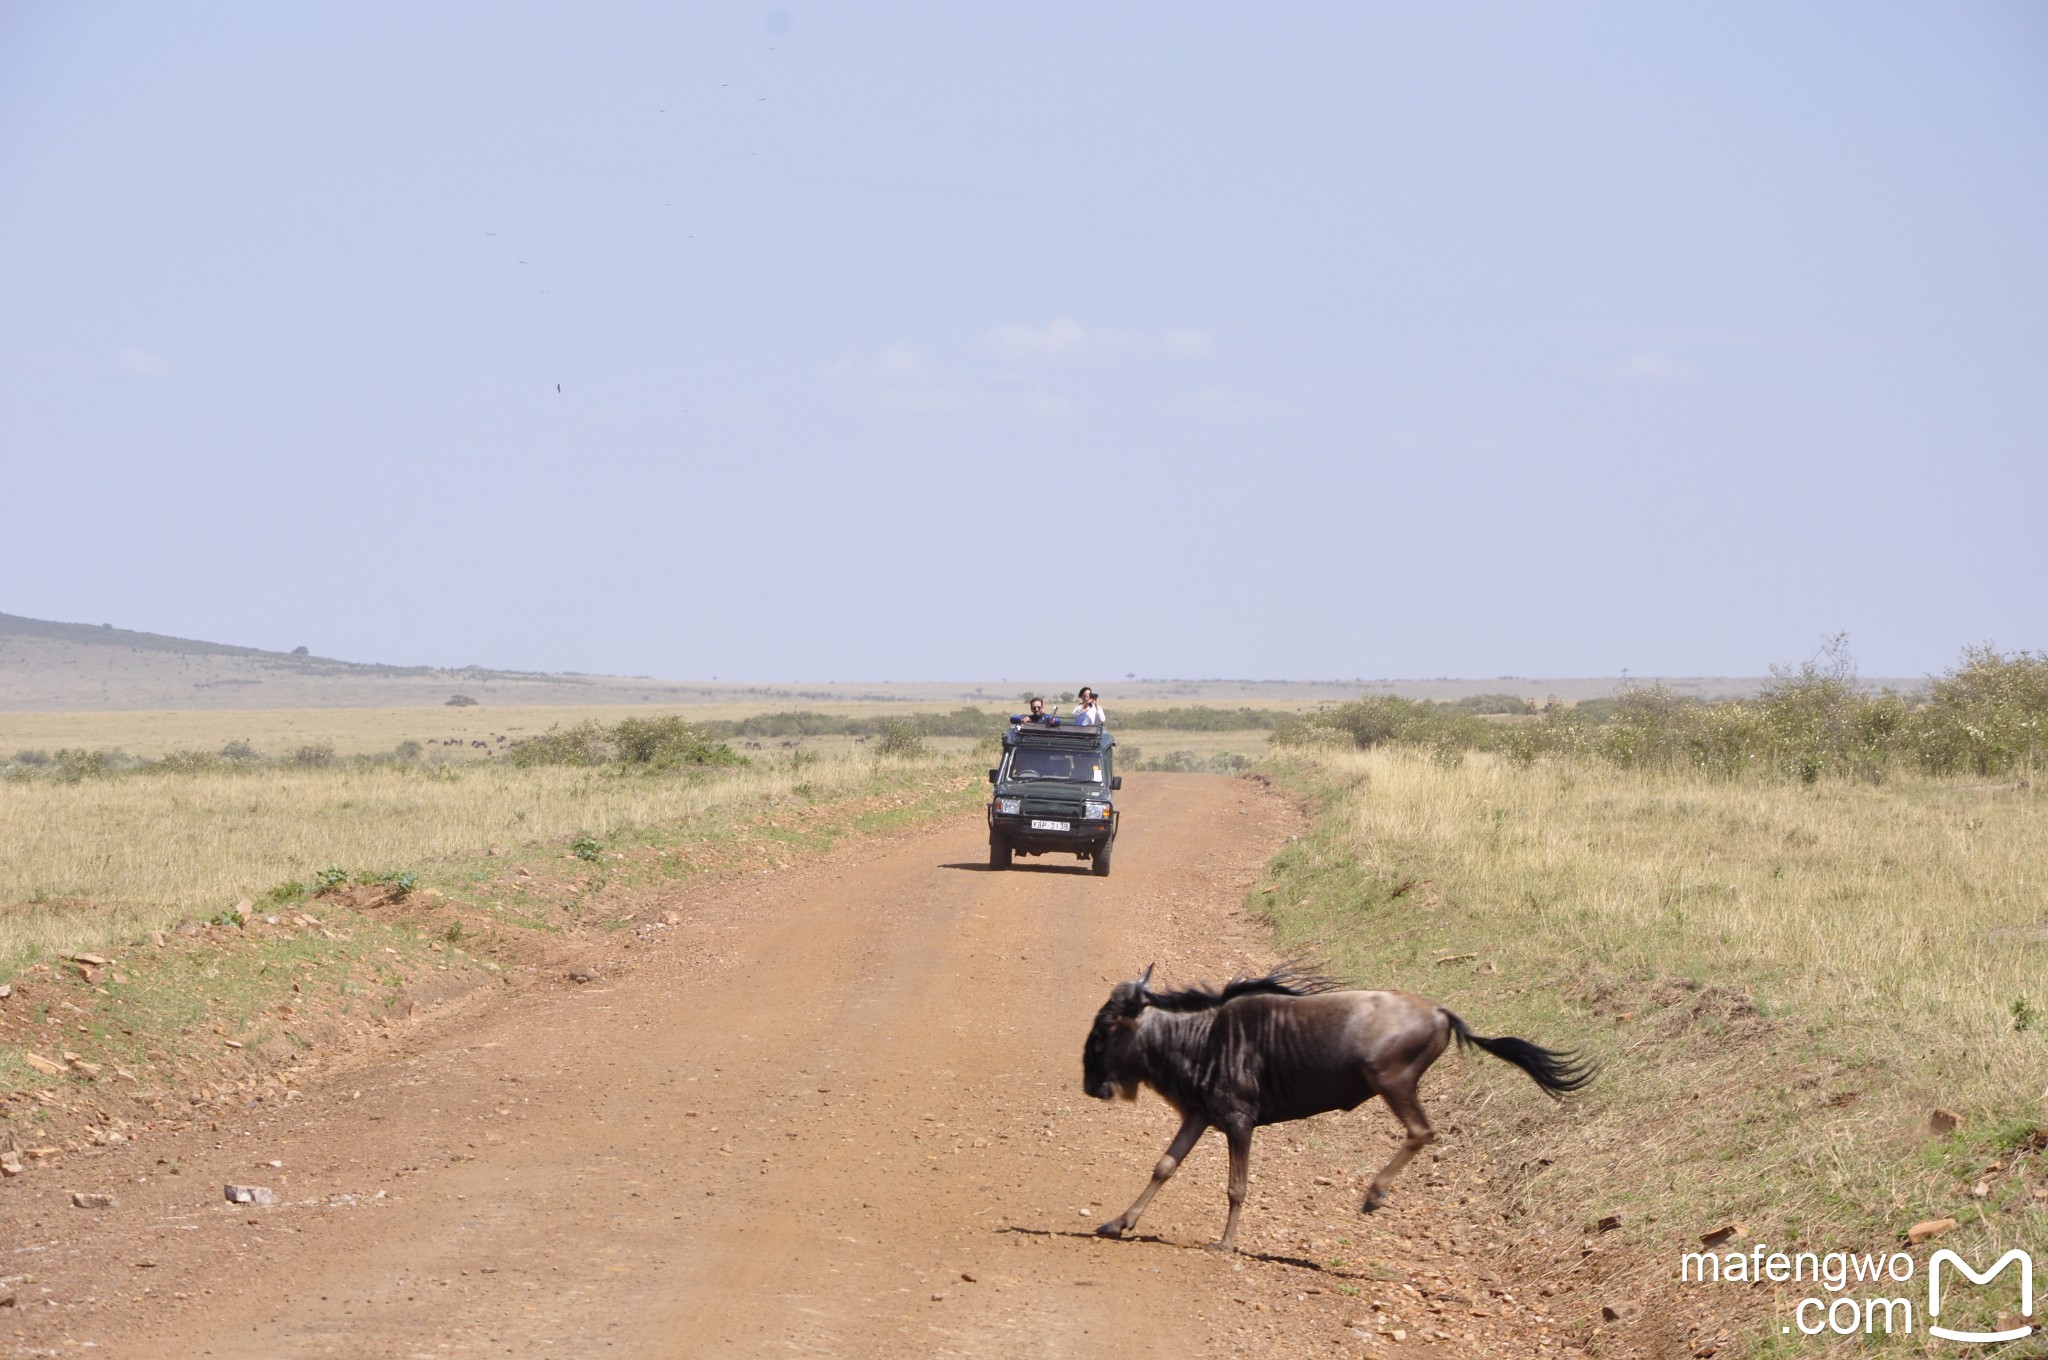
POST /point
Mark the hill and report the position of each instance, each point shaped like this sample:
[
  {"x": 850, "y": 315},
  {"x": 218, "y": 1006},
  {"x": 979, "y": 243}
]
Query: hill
[
  {"x": 82, "y": 668},
  {"x": 68, "y": 667}
]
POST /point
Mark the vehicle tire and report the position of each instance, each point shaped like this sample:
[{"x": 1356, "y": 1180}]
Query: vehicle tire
[
  {"x": 998, "y": 850},
  {"x": 1102, "y": 858}
]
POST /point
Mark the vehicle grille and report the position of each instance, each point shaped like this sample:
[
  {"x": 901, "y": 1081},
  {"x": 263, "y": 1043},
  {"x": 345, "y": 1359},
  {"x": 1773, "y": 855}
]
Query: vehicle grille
[{"x": 1050, "y": 807}]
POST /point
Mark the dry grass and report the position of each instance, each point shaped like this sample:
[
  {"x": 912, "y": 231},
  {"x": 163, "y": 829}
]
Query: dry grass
[
  {"x": 372, "y": 731},
  {"x": 1900, "y": 911},
  {"x": 351, "y": 731},
  {"x": 1782, "y": 981},
  {"x": 1160, "y": 743},
  {"x": 110, "y": 859}
]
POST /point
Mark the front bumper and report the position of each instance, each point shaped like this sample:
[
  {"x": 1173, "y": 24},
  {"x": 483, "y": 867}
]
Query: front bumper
[{"x": 1086, "y": 834}]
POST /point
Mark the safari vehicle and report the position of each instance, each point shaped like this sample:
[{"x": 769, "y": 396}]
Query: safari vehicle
[{"x": 1052, "y": 795}]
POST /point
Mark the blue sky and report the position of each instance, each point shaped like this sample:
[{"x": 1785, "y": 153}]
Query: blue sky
[{"x": 916, "y": 341}]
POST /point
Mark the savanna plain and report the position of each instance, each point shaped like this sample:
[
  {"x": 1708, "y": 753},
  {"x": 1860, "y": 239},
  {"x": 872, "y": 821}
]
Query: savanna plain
[{"x": 695, "y": 1031}]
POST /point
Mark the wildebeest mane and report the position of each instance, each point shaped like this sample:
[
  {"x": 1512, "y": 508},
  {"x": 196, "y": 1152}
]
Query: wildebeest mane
[{"x": 1286, "y": 980}]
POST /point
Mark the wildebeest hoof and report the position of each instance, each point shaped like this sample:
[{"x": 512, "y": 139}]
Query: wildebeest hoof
[
  {"x": 1113, "y": 1228},
  {"x": 1372, "y": 1202}
]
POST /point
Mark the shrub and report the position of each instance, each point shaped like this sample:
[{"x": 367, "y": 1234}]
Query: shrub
[
  {"x": 239, "y": 751},
  {"x": 408, "y": 750},
  {"x": 582, "y": 744},
  {"x": 1195, "y": 719},
  {"x": 188, "y": 762},
  {"x": 460, "y": 701},
  {"x": 32, "y": 759},
  {"x": 1728, "y": 738},
  {"x": 663, "y": 743},
  {"x": 75, "y": 763},
  {"x": 901, "y": 739},
  {"x": 667, "y": 742},
  {"x": 587, "y": 849},
  {"x": 1493, "y": 704},
  {"x": 965, "y": 721},
  {"x": 1989, "y": 716},
  {"x": 1648, "y": 728},
  {"x": 1818, "y": 722},
  {"x": 400, "y": 884},
  {"x": 800, "y": 722},
  {"x": 316, "y": 756},
  {"x": 1386, "y": 719}
]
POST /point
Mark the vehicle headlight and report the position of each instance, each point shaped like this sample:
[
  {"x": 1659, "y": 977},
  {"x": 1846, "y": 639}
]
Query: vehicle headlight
[
  {"x": 1094, "y": 809},
  {"x": 1009, "y": 807}
]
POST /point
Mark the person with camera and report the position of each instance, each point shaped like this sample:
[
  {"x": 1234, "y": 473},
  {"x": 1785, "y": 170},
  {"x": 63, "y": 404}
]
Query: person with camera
[{"x": 1088, "y": 712}]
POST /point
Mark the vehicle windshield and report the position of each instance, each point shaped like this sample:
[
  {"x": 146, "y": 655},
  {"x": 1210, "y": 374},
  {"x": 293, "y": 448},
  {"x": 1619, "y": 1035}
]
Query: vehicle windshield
[{"x": 1075, "y": 767}]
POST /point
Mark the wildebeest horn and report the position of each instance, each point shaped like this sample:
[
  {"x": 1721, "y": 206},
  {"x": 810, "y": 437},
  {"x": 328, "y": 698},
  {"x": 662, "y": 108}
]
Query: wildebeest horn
[{"x": 1146, "y": 977}]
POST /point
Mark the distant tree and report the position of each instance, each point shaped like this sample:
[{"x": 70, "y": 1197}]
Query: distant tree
[
  {"x": 460, "y": 701},
  {"x": 300, "y": 651}
]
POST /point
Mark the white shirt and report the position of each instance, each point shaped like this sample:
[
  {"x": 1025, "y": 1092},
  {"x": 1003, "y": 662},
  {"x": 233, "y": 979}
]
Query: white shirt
[{"x": 1090, "y": 715}]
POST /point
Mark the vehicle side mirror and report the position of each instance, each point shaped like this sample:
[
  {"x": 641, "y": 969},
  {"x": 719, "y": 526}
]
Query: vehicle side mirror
[
  {"x": 1116, "y": 781},
  {"x": 991, "y": 776}
]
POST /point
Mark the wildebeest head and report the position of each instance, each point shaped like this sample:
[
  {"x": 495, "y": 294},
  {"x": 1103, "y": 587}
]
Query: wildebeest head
[{"x": 1105, "y": 1058}]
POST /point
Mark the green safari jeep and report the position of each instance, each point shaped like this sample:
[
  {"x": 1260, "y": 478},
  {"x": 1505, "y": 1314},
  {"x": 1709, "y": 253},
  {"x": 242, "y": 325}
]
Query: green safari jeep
[{"x": 1052, "y": 794}]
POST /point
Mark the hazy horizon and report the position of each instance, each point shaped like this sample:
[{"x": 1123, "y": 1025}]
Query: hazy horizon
[
  {"x": 910, "y": 687},
  {"x": 778, "y": 341}
]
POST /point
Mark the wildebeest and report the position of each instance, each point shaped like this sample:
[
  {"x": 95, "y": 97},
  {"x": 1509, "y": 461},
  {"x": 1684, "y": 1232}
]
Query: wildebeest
[{"x": 1284, "y": 1046}]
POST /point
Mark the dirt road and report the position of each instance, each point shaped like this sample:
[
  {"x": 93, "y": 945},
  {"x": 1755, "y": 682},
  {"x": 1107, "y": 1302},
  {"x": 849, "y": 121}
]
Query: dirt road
[{"x": 834, "y": 1111}]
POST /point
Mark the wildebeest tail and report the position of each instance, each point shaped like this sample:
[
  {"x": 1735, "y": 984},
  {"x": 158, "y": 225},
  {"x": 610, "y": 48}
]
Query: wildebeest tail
[{"x": 1555, "y": 1070}]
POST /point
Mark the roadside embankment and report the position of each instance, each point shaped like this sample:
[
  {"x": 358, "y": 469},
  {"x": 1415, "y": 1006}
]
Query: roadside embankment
[
  {"x": 225, "y": 936},
  {"x": 1818, "y": 1006}
]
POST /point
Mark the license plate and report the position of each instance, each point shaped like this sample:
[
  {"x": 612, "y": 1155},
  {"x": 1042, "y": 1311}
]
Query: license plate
[{"x": 1051, "y": 826}]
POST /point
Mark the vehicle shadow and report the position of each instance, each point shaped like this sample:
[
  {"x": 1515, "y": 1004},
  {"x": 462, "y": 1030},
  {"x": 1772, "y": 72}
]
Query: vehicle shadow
[{"x": 978, "y": 867}]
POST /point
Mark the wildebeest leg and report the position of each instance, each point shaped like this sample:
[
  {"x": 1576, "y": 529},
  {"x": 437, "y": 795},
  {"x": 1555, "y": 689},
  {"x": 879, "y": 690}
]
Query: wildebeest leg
[
  {"x": 1400, "y": 1098},
  {"x": 1191, "y": 1128},
  {"x": 1240, "y": 1137}
]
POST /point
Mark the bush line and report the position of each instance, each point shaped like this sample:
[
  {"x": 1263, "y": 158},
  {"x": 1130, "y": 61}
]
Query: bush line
[{"x": 1988, "y": 716}]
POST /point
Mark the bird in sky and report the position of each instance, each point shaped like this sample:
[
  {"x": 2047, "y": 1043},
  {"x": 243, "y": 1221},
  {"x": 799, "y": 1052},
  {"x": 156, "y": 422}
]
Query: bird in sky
[{"x": 558, "y": 387}]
